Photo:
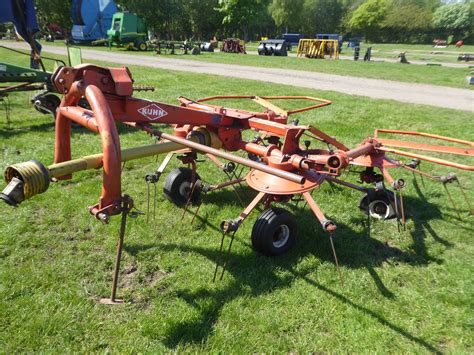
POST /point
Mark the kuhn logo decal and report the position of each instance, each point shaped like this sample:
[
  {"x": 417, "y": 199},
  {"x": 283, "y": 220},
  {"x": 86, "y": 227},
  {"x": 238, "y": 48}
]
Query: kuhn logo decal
[{"x": 152, "y": 112}]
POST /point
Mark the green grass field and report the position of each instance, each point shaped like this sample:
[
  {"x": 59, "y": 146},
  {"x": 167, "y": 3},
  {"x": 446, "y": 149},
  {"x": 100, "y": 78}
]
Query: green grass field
[
  {"x": 403, "y": 292},
  {"x": 422, "y": 52},
  {"x": 445, "y": 76}
]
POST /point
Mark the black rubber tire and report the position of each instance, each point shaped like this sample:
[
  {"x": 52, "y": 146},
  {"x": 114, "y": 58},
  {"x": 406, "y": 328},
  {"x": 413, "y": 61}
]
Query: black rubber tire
[
  {"x": 177, "y": 187},
  {"x": 272, "y": 223},
  {"x": 142, "y": 46},
  {"x": 49, "y": 101}
]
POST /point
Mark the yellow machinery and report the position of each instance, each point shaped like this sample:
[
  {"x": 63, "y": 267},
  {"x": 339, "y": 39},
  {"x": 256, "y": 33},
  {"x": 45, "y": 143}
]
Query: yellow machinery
[{"x": 318, "y": 48}]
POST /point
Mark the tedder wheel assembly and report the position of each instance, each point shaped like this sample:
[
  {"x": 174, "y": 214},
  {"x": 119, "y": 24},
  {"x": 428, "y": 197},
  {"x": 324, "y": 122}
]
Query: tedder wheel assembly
[
  {"x": 46, "y": 103},
  {"x": 380, "y": 204},
  {"x": 274, "y": 232},
  {"x": 280, "y": 168},
  {"x": 178, "y": 186}
]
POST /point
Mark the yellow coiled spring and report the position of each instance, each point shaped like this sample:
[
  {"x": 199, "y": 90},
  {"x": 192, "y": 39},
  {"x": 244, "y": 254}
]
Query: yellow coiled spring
[{"x": 34, "y": 175}]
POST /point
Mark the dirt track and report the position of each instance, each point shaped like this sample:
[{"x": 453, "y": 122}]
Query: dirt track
[{"x": 432, "y": 95}]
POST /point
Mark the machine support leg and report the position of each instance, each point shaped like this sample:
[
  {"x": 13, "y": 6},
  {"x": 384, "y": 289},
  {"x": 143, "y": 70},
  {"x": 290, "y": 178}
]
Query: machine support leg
[{"x": 126, "y": 206}]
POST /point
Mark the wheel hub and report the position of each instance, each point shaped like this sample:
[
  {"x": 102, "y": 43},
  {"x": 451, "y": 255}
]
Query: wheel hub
[
  {"x": 185, "y": 189},
  {"x": 281, "y": 236},
  {"x": 379, "y": 209}
]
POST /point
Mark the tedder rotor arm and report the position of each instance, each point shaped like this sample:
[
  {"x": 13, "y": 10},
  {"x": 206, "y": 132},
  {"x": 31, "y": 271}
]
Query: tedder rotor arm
[
  {"x": 463, "y": 148},
  {"x": 227, "y": 156},
  {"x": 428, "y": 159},
  {"x": 265, "y": 101}
]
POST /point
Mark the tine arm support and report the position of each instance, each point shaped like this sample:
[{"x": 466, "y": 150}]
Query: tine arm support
[
  {"x": 328, "y": 226},
  {"x": 428, "y": 159}
]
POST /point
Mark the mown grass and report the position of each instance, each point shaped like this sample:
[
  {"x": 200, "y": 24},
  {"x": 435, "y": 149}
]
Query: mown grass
[
  {"x": 426, "y": 53},
  {"x": 403, "y": 292},
  {"x": 445, "y": 76}
]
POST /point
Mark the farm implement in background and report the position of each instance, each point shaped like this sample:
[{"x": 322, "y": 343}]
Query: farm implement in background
[
  {"x": 128, "y": 30},
  {"x": 20, "y": 79},
  {"x": 318, "y": 48},
  {"x": 275, "y": 47},
  {"x": 233, "y": 45},
  {"x": 286, "y": 161},
  {"x": 177, "y": 47}
]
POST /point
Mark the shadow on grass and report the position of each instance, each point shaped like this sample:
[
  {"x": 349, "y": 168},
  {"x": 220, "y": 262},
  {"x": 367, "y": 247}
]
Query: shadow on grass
[
  {"x": 372, "y": 314},
  {"x": 12, "y": 131},
  {"x": 255, "y": 275},
  {"x": 248, "y": 280}
]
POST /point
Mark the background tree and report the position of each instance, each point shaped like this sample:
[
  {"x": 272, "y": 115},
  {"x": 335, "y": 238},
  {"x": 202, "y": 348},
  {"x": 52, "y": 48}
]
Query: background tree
[
  {"x": 376, "y": 20},
  {"x": 287, "y": 14},
  {"x": 407, "y": 20},
  {"x": 241, "y": 15},
  {"x": 322, "y": 16},
  {"x": 204, "y": 19},
  {"x": 164, "y": 17},
  {"x": 454, "y": 19},
  {"x": 368, "y": 19},
  {"x": 54, "y": 11}
]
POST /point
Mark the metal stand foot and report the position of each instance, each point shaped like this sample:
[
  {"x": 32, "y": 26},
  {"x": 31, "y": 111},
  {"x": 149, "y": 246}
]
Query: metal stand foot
[{"x": 127, "y": 204}]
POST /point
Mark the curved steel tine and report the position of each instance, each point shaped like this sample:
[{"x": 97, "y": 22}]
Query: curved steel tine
[
  {"x": 336, "y": 259},
  {"x": 218, "y": 256}
]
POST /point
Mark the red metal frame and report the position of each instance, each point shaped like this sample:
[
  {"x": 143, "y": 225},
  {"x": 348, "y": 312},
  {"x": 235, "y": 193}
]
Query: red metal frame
[{"x": 109, "y": 90}]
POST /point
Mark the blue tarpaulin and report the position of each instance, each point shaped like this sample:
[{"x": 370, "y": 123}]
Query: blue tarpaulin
[{"x": 22, "y": 14}]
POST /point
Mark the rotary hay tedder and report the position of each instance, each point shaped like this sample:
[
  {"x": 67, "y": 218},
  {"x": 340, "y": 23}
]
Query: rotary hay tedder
[{"x": 283, "y": 167}]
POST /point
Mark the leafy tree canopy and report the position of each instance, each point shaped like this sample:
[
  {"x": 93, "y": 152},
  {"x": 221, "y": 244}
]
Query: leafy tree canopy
[
  {"x": 453, "y": 17},
  {"x": 377, "y": 20}
]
